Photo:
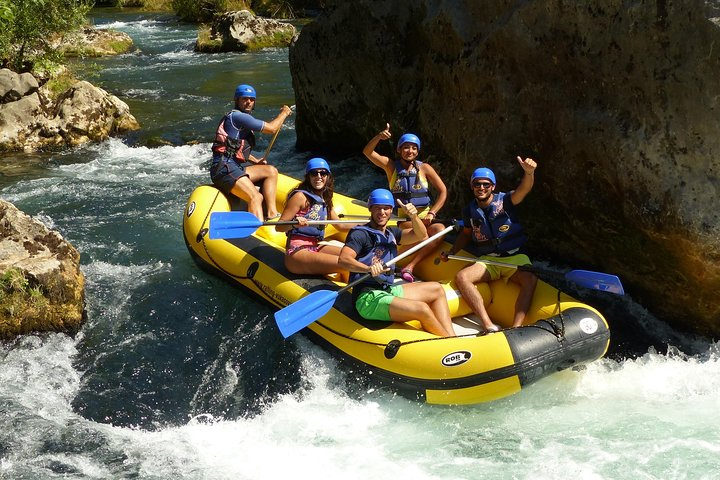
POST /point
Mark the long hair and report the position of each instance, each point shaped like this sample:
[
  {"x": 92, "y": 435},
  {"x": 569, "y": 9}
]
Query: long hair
[{"x": 327, "y": 191}]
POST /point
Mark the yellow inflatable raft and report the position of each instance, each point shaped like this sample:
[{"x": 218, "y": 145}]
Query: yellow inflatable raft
[{"x": 473, "y": 367}]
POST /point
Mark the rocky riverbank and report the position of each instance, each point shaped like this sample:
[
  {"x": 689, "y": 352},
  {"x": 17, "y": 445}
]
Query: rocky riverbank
[{"x": 41, "y": 285}]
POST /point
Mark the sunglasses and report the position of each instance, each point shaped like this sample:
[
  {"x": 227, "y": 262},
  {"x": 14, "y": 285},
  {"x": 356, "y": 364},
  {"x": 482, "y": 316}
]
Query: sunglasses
[
  {"x": 322, "y": 173},
  {"x": 482, "y": 184}
]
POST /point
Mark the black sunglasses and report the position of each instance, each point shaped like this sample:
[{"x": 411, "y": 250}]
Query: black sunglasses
[
  {"x": 322, "y": 173},
  {"x": 482, "y": 184}
]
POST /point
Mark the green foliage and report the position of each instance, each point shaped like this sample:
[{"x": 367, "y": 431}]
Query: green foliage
[
  {"x": 13, "y": 280},
  {"x": 29, "y": 25},
  {"x": 204, "y": 11}
]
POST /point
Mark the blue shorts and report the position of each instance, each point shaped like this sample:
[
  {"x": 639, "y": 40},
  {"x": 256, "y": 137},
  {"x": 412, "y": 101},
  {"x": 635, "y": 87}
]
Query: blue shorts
[{"x": 226, "y": 172}]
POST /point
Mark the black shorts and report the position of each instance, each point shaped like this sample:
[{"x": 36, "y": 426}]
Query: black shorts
[{"x": 226, "y": 172}]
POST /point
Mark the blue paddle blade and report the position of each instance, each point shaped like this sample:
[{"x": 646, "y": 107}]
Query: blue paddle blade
[
  {"x": 233, "y": 224},
  {"x": 596, "y": 280},
  {"x": 305, "y": 311}
]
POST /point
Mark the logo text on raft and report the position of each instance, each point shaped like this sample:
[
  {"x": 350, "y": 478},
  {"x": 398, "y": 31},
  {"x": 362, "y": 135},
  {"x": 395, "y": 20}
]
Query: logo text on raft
[{"x": 456, "y": 358}]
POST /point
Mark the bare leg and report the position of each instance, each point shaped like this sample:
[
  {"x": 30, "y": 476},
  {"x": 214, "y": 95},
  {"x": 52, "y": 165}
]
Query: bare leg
[
  {"x": 403, "y": 310},
  {"x": 465, "y": 280},
  {"x": 268, "y": 174},
  {"x": 245, "y": 189},
  {"x": 314, "y": 263},
  {"x": 527, "y": 282},
  {"x": 433, "y": 294},
  {"x": 429, "y": 249}
]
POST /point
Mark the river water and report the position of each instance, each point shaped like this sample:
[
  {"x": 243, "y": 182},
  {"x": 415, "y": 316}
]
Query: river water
[{"x": 178, "y": 375}]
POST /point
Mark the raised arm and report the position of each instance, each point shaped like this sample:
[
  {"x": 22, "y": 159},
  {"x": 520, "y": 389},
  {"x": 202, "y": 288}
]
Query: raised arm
[
  {"x": 380, "y": 160},
  {"x": 274, "y": 126},
  {"x": 528, "y": 165}
]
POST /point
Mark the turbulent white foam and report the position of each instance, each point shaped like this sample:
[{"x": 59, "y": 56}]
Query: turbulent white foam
[
  {"x": 654, "y": 417},
  {"x": 117, "y": 162}
]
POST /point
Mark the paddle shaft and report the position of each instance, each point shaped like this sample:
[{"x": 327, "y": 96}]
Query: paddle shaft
[
  {"x": 303, "y": 312},
  {"x": 395, "y": 219},
  {"x": 398, "y": 258},
  {"x": 476, "y": 260},
  {"x": 272, "y": 141},
  {"x": 313, "y": 222},
  {"x": 405, "y": 254}
]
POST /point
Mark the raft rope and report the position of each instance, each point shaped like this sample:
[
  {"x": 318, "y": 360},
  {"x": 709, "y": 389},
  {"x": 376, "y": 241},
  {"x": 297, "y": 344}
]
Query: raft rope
[
  {"x": 392, "y": 347},
  {"x": 201, "y": 237},
  {"x": 558, "y": 331}
]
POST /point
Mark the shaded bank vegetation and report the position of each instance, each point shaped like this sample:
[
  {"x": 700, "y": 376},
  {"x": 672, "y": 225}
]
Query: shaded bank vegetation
[
  {"x": 205, "y": 10},
  {"x": 28, "y": 27}
]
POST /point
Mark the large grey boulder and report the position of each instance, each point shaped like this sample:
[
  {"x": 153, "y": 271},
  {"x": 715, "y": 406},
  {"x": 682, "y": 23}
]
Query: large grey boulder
[
  {"x": 93, "y": 42},
  {"x": 619, "y": 103},
  {"x": 241, "y": 31},
  {"x": 41, "y": 285},
  {"x": 30, "y": 120},
  {"x": 13, "y": 87}
]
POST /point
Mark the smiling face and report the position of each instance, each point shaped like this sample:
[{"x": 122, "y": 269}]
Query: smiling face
[
  {"x": 482, "y": 189},
  {"x": 380, "y": 214},
  {"x": 408, "y": 151},
  {"x": 318, "y": 178}
]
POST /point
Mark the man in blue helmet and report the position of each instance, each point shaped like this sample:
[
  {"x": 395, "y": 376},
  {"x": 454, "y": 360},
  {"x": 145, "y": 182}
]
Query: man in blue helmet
[
  {"x": 490, "y": 222},
  {"x": 369, "y": 247},
  {"x": 234, "y": 169},
  {"x": 409, "y": 180}
]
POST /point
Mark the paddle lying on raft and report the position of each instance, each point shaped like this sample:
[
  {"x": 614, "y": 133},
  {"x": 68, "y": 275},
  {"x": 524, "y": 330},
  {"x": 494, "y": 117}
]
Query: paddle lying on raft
[
  {"x": 585, "y": 278},
  {"x": 225, "y": 225},
  {"x": 305, "y": 311}
]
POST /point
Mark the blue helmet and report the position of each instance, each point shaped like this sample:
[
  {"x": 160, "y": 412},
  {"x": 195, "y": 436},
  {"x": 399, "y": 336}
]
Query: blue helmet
[
  {"x": 316, "y": 164},
  {"x": 408, "y": 138},
  {"x": 483, "y": 172},
  {"x": 245, "y": 91},
  {"x": 381, "y": 196}
]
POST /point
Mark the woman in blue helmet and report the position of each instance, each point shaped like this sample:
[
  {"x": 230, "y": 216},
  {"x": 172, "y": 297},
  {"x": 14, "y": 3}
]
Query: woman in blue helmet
[
  {"x": 234, "y": 169},
  {"x": 369, "y": 247},
  {"x": 311, "y": 200},
  {"x": 409, "y": 180},
  {"x": 491, "y": 224}
]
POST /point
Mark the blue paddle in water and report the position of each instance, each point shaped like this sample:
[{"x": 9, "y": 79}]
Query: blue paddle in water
[
  {"x": 305, "y": 311},
  {"x": 225, "y": 225},
  {"x": 585, "y": 278}
]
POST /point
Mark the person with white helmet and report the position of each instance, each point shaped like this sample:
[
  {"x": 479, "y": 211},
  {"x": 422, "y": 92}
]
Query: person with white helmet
[
  {"x": 235, "y": 170},
  {"x": 409, "y": 180},
  {"x": 491, "y": 224},
  {"x": 369, "y": 247},
  {"x": 311, "y": 200}
]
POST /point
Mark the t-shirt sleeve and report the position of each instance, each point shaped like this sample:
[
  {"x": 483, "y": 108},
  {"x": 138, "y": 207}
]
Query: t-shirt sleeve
[
  {"x": 247, "y": 121},
  {"x": 397, "y": 232},
  {"x": 507, "y": 203},
  {"x": 466, "y": 217},
  {"x": 358, "y": 241}
]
